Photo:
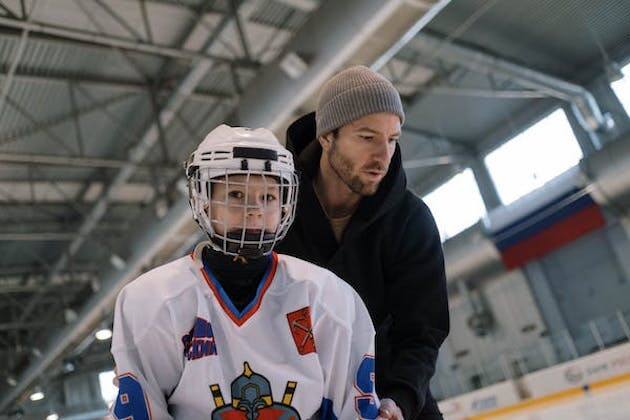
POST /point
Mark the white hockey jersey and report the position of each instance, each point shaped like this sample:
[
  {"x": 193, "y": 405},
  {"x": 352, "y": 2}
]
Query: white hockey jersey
[{"x": 303, "y": 348}]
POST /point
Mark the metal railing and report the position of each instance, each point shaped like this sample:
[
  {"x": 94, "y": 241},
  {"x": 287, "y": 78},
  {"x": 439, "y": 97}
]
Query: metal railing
[{"x": 475, "y": 371}]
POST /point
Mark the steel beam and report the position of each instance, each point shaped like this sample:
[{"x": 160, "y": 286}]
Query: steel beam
[
  {"x": 240, "y": 30},
  {"x": 108, "y": 82},
  {"x": 303, "y": 5},
  {"x": 6, "y": 86},
  {"x": 431, "y": 12},
  {"x": 50, "y": 135},
  {"x": 79, "y": 162},
  {"x": 483, "y": 93},
  {"x": 582, "y": 101},
  {"x": 182, "y": 5},
  {"x": 114, "y": 227},
  {"x": 118, "y": 42},
  {"x": 12, "y": 326},
  {"x": 445, "y": 151},
  {"x": 429, "y": 161},
  {"x": 77, "y": 123},
  {"x": 433, "y": 138},
  {"x": 45, "y": 126},
  {"x": 37, "y": 236},
  {"x": 487, "y": 189},
  {"x": 120, "y": 20},
  {"x": 145, "y": 21},
  {"x": 12, "y": 271},
  {"x": 132, "y": 61},
  {"x": 8, "y": 11}
]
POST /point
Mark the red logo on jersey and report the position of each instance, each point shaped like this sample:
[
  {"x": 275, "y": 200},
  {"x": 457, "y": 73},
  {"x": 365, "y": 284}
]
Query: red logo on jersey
[{"x": 301, "y": 330}]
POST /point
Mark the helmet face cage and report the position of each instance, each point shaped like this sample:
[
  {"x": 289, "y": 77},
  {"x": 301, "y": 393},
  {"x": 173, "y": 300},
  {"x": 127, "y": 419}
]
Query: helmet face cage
[{"x": 278, "y": 189}]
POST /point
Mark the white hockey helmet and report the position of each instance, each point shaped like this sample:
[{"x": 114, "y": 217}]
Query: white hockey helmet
[{"x": 241, "y": 151}]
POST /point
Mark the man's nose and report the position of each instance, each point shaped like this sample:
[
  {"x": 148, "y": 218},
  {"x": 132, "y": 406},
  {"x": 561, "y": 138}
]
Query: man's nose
[{"x": 381, "y": 153}]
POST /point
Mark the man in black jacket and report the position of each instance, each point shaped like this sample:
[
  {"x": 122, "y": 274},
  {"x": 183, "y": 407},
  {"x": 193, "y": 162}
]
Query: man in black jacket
[{"x": 356, "y": 217}]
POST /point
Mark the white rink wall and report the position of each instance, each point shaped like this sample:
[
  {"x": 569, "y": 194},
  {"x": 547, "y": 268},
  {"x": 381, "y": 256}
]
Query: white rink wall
[{"x": 583, "y": 373}]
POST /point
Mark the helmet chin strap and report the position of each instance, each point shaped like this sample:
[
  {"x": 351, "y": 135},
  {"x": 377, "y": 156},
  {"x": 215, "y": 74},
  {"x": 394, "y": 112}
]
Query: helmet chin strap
[{"x": 247, "y": 250}]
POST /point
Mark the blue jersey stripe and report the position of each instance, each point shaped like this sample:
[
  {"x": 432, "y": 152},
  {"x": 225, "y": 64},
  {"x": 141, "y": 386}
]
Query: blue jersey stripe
[{"x": 223, "y": 296}]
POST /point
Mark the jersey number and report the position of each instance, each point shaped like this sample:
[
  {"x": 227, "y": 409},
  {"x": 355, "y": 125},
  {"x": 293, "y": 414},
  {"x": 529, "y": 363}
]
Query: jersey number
[
  {"x": 130, "y": 403},
  {"x": 366, "y": 404}
]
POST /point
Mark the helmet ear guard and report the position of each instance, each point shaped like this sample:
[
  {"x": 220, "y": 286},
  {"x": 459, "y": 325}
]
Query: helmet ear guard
[{"x": 228, "y": 151}]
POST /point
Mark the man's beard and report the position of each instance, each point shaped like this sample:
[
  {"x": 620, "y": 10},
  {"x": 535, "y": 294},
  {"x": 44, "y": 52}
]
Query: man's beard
[{"x": 343, "y": 168}]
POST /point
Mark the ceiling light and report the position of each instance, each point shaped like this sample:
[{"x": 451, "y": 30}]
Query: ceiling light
[
  {"x": 103, "y": 334},
  {"x": 36, "y": 396},
  {"x": 68, "y": 367},
  {"x": 293, "y": 65},
  {"x": 117, "y": 261}
]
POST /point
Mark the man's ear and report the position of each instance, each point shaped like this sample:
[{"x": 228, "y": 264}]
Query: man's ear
[{"x": 326, "y": 140}]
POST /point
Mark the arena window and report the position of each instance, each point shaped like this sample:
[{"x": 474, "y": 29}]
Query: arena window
[
  {"x": 533, "y": 157},
  {"x": 456, "y": 204},
  {"x": 621, "y": 88},
  {"x": 108, "y": 389}
]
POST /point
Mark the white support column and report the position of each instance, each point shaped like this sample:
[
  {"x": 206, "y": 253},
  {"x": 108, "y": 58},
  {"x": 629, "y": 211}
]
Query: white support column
[{"x": 487, "y": 189}]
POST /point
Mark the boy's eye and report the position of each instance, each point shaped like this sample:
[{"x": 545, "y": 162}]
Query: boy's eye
[
  {"x": 236, "y": 194},
  {"x": 270, "y": 197}
]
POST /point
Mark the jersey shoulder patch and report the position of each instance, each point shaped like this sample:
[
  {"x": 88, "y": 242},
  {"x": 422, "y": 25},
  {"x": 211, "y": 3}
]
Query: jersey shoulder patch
[{"x": 301, "y": 328}]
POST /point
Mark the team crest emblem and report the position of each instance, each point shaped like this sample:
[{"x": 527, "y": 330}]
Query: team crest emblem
[
  {"x": 301, "y": 330},
  {"x": 252, "y": 399},
  {"x": 199, "y": 342}
]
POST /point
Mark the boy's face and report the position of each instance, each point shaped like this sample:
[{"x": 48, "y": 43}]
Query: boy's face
[{"x": 252, "y": 203}]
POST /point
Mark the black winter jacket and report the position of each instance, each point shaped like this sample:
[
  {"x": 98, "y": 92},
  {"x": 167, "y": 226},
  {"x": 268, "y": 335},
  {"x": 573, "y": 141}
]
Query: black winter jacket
[{"x": 391, "y": 253}]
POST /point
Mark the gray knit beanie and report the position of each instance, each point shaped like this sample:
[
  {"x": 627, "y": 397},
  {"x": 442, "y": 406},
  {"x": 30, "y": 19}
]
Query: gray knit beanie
[{"x": 352, "y": 94}]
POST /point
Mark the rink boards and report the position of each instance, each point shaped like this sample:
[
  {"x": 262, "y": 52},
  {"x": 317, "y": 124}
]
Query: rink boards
[{"x": 579, "y": 389}]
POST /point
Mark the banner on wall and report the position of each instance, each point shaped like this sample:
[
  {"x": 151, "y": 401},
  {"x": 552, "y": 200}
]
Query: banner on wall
[
  {"x": 489, "y": 398},
  {"x": 544, "y": 220},
  {"x": 580, "y": 372},
  {"x": 547, "y": 228}
]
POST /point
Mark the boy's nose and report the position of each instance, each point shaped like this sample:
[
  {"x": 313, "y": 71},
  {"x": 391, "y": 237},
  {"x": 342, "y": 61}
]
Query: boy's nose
[{"x": 255, "y": 208}]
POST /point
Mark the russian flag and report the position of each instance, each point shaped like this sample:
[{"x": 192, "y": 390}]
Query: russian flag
[{"x": 548, "y": 227}]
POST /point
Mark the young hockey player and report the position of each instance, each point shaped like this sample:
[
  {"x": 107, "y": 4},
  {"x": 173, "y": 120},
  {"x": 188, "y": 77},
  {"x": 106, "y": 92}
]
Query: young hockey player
[{"x": 236, "y": 331}]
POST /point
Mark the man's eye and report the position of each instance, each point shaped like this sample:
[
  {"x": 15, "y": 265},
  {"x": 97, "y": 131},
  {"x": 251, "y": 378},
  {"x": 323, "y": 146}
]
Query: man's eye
[
  {"x": 236, "y": 194},
  {"x": 368, "y": 138},
  {"x": 393, "y": 140}
]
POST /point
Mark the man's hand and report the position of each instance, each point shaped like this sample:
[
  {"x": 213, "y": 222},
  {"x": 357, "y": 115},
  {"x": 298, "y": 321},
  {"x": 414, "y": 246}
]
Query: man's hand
[{"x": 389, "y": 410}]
